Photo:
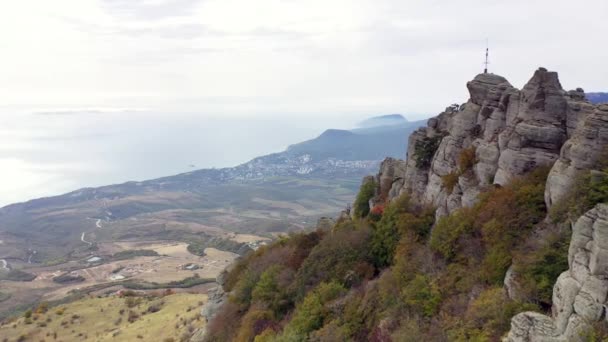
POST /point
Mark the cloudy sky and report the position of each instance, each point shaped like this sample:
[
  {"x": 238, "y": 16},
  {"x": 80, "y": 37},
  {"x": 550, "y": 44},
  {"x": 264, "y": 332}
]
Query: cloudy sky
[{"x": 254, "y": 57}]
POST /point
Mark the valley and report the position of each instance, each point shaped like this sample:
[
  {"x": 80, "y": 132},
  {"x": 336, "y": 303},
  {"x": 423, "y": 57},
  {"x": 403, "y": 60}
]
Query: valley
[{"x": 180, "y": 232}]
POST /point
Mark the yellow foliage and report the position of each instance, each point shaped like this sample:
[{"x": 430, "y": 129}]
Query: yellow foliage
[{"x": 467, "y": 159}]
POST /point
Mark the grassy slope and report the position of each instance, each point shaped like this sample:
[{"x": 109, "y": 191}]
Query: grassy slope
[{"x": 101, "y": 325}]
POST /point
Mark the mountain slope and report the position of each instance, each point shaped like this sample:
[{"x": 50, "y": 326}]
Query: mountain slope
[{"x": 451, "y": 243}]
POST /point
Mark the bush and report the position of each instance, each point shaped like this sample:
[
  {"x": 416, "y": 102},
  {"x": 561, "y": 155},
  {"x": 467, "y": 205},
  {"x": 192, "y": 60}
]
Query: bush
[
  {"x": 399, "y": 218},
  {"x": 366, "y": 192},
  {"x": 253, "y": 323},
  {"x": 422, "y": 295},
  {"x": 537, "y": 269},
  {"x": 466, "y": 159},
  {"x": 449, "y": 181},
  {"x": 489, "y": 315},
  {"x": 132, "y": 316},
  {"x": 336, "y": 257},
  {"x": 425, "y": 149},
  {"x": 449, "y": 229},
  {"x": 310, "y": 314},
  {"x": 589, "y": 189}
]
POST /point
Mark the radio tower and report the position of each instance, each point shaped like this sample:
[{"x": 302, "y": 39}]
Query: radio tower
[{"x": 485, "y": 70}]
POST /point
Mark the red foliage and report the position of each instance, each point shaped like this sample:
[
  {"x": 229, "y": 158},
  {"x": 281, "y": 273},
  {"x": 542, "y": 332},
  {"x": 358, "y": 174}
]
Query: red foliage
[{"x": 378, "y": 210}]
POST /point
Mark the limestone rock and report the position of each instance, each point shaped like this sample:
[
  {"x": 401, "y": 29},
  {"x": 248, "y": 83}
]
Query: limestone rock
[
  {"x": 585, "y": 148},
  {"x": 391, "y": 171},
  {"x": 580, "y": 293},
  {"x": 512, "y": 131}
]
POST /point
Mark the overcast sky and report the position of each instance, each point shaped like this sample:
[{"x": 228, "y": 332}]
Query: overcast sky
[{"x": 253, "y": 57}]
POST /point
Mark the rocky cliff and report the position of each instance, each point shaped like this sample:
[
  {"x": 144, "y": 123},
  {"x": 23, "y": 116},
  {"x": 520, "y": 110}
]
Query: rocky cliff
[
  {"x": 502, "y": 132},
  {"x": 579, "y": 295},
  {"x": 499, "y": 133}
]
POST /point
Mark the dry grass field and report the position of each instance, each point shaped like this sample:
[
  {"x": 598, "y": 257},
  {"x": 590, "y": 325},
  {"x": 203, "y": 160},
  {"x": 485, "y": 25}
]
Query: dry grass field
[
  {"x": 113, "y": 318},
  {"x": 170, "y": 265}
]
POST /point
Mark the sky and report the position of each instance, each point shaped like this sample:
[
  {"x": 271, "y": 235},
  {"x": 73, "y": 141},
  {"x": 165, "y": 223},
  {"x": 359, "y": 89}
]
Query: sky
[
  {"x": 94, "y": 92},
  {"x": 286, "y": 57}
]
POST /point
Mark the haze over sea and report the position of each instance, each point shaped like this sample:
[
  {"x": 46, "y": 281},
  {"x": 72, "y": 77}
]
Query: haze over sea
[{"x": 53, "y": 152}]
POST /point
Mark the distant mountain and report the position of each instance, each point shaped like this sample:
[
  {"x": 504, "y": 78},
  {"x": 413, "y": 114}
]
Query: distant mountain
[
  {"x": 597, "y": 97},
  {"x": 383, "y": 120},
  {"x": 370, "y": 142}
]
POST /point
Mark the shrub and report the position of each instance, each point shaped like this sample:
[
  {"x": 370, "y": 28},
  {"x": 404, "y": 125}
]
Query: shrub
[
  {"x": 366, "y": 192},
  {"x": 309, "y": 315},
  {"x": 132, "y": 316},
  {"x": 376, "y": 212},
  {"x": 449, "y": 181},
  {"x": 425, "y": 149},
  {"x": 154, "y": 308},
  {"x": 399, "y": 218},
  {"x": 537, "y": 269},
  {"x": 42, "y": 308},
  {"x": 131, "y": 302},
  {"x": 449, "y": 229},
  {"x": 466, "y": 159},
  {"x": 589, "y": 189},
  {"x": 335, "y": 258},
  {"x": 490, "y": 314},
  {"x": 422, "y": 295},
  {"x": 253, "y": 323}
]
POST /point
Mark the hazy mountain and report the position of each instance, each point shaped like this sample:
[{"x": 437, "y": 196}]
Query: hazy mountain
[{"x": 383, "y": 120}]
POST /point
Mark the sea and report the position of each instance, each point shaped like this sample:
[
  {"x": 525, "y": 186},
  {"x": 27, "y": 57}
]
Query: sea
[{"x": 46, "y": 153}]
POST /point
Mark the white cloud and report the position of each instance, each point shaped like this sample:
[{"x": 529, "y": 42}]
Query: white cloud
[{"x": 240, "y": 57}]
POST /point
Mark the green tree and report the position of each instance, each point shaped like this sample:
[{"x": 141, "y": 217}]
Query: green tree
[{"x": 366, "y": 192}]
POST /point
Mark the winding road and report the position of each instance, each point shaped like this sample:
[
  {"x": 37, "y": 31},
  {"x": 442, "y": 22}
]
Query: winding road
[
  {"x": 4, "y": 264},
  {"x": 85, "y": 241},
  {"x": 98, "y": 223}
]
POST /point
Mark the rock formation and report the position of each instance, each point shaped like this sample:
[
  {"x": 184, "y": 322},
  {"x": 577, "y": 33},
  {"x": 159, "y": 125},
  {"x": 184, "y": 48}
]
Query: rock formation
[
  {"x": 507, "y": 132},
  {"x": 502, "y": 132},
  {"x": 579, "y": 295}
]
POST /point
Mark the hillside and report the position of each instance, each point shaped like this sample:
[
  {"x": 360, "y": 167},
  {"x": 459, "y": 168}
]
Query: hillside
[
  {"x": 130, "y": 318},
  {"x": 231, "y": 209},
  {"x": 499, "y": 199}
]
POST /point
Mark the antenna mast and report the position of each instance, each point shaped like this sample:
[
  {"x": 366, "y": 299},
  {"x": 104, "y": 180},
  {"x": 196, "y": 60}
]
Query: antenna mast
[{"x": 485, "y": 70}]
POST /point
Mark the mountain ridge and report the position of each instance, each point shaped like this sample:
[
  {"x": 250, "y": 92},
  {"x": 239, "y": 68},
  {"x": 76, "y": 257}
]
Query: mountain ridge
[{"x": 462, "y": 240}]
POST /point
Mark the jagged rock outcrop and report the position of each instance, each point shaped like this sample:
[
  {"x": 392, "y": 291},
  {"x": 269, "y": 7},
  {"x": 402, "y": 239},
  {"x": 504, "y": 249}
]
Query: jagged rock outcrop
[
  {"x": 391, "y": 172},
  {"x": 215, "y": 299},
  {"x": 585, "y": 148},
  {"x": 580, "y": 293},
  {"x": 508, "y": 132}
]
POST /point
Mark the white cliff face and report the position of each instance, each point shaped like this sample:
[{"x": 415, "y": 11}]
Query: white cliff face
[{"x": 579, "y": 295}]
